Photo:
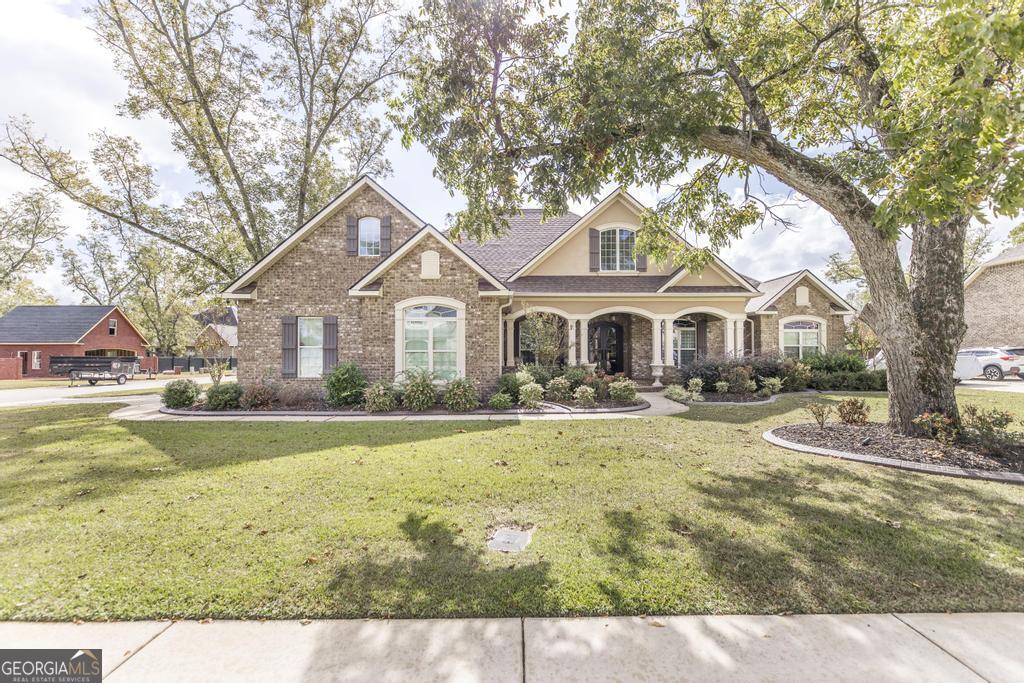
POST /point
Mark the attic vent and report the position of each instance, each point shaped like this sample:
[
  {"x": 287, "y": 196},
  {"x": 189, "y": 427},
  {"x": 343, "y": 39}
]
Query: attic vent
[
  {"x": 803, "y": 296},
  {"x": 430, "y": 265}
]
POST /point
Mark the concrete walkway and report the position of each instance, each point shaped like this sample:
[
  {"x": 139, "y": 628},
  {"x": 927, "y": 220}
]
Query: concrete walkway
[{"x": 876, "y": 647}]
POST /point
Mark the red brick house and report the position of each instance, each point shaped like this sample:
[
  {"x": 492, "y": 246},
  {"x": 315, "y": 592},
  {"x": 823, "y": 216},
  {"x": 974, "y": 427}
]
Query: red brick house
[{"x": 34, "y": 333}]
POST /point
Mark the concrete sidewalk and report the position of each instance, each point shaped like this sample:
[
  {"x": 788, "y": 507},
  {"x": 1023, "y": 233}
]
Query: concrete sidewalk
[{"x": 876, "y": 647}]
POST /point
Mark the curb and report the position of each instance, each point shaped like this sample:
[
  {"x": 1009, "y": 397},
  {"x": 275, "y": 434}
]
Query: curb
[{"x": 924, "y": 468}]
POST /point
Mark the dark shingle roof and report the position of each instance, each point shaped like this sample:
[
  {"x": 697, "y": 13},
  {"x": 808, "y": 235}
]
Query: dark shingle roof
[
  {"x": 526, "y": 238},
  {"x": 53, "y": 324},
  {"x": 587, "y": 284}
]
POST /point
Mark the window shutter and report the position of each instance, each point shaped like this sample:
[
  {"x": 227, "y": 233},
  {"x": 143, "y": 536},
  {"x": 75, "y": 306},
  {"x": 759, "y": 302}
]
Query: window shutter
[
  {"x": 330, "y": 342},
  {"x": 641, "y": 263},
  {"x": 385, "y": 235},
  {"x": 351, "y": 236},
  {"x": 289, "y": 346},
  {"x": 595, "y": 250},
  {"x": 702, "y": 338}
]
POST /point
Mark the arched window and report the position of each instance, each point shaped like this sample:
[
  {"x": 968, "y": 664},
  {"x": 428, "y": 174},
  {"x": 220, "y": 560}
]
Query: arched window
[
  {"x": 684, "y": 342},
  {"x": 431, "y": 336},
  {"x": 801, "y": 338},
  {"x": 369, "y": 236},
  {"x": 617, "y": 245}
]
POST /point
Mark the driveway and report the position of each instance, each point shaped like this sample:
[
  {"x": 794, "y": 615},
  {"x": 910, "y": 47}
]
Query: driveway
[
  {"x": 1012, "y": 384},
  {"x": 59, "y": 394}
]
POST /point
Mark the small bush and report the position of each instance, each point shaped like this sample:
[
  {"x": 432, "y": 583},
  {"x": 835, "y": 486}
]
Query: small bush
[
  {"x": 738, "y": 378},
  {"x": 584, "y": 396},
  {"x": 181, "y": 393},
  {"x": 695, "y": 385},
  {"x": 938, "y": 426},
  {"x": 576, "y": 376},
  {"x": 795, "y": 375},
  {"x": 599, "y": 383},
  {"x": 674, "y": 392},
  {"x": 559, "y": 390},
  {"x": 821, "y": 412},
  {"x": 835, "y": 361},
  {"x": 345, "y": 385},
  {"x": 622, "y": 391},
  {"x": 540, "y": 374},
  {"x": 418, "y": 392},
  {"x": 224, "y": 396},
  {"x": 523, "y": 376},
  {"x": 379, "y": 397},
  {"x": 461, "y": 396},
  {"x": 853, "y": 411},
  {"x": 530, "y": 395},
  {"x": 772, "y": 384},
  {"x": 257, "y": 397},
  {"x": 299, "y": 396},
  {"x": 764, "y": 392},
  {"x": 986, "y": 429},
  {"x": 722, "y": 387},
  {"x": 509, "y": 384},
  {"x": 501, "y": 401}
]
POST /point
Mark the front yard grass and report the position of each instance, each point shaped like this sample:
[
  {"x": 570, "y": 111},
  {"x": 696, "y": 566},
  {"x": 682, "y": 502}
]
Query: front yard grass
[{"x": 102, "y": 519}]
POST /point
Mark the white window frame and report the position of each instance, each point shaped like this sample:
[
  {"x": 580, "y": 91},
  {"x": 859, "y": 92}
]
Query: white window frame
[
  {"x": 367, "y": 247},
  {"x": 822, "y": 332},
  {"x": 37, "y": 360},
  {"x": 299, "y": 346},
  {"x": 677, "y": 347},
  {"x": 112, "y": 327},
  {"x": 618, "y": 250},
  {"x": 460, "y": 329}
]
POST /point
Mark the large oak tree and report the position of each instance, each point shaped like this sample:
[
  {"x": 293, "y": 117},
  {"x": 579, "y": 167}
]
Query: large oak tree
[{"x": 895, "y": 116}]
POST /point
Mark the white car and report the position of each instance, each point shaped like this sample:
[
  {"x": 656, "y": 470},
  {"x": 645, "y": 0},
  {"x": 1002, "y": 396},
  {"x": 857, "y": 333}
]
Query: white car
[{"x": 994, "y": 363}]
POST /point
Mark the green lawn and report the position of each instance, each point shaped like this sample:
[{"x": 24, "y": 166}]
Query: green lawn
[
  {"x": 688, "y": 514},
  {"x": 33, "y": 383}
]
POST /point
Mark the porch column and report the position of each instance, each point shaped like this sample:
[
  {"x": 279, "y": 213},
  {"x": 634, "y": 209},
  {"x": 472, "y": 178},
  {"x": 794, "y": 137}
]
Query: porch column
[
  {"x": 584, "y": 352},
  {"x": 510, "y": 348},
  {"x": 657, "y": 369},
  {"x": 730, "y": 337},
  {"x": 666, "y": 345},
  {"x": 570, "y": 335},
  {"x": 740, "y": 349}
]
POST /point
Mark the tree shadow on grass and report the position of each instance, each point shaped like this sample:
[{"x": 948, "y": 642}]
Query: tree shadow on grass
[
  {"x": 786, "y": 403},
  {"x": 445, "y": 575}
]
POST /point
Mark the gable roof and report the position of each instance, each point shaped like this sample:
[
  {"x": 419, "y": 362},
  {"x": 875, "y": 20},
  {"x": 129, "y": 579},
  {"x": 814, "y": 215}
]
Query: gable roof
[
  {"x": 315, "y": 221},
  {"x": 528, "y": 234},
  {"x": 772, "y": 289},
  {"x": 227, "y": 333},
  {"x": 745, "y": 283},
  {"x": 366, "y": 285},
  {"x": 53, "y": 324},
  {"x": 1011, "y": 255},
  {"x": 217, "y": 315}
]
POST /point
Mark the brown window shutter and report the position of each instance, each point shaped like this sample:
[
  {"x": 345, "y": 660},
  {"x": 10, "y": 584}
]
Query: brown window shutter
[
  {"x": 330, "y": 342},
  {"x": 641, "y": 263},
  {"x": 702, "y": 338},
  {"x": 385, "y": 235},
  {"x": 595, "y": 250},
  {"x": 289, "y": 346},
  {"x": 351, "y": 236}
]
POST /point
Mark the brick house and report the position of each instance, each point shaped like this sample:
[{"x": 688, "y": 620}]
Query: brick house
[
  {"x": 994, "y": 301},
  {"x": 365, "y": 280},
  {"x": 34, "y": 333}
]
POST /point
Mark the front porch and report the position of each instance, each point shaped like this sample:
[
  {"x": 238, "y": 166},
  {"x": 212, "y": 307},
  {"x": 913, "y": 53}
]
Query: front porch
[{"x": 644, "y": 345}]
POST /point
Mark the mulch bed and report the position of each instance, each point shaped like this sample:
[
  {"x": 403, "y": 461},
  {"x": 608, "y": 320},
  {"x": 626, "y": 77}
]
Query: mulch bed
[{"x": 876, "y": 439}]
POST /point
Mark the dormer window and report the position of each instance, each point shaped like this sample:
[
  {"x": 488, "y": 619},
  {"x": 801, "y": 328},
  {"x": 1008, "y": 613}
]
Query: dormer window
[
  {"x": 617, "y": 246},
  {"x": 369, "y": 236}
]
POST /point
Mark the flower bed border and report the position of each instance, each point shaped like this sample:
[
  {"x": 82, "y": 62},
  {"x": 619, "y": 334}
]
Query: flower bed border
[
  {"x": 553, "y": 409},
  {"x": 925, "y": 468}
]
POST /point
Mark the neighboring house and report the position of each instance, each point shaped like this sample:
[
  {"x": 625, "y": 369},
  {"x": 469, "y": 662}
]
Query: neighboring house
[
  {"x": 994, "y": 301},
  {"x": 365, "y": 280},
  {"x": 34, "y": 333},
  {"x": 219, "y": 336}
]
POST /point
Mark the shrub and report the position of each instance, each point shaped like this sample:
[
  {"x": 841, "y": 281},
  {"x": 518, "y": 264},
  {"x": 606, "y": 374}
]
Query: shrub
[
  {"x": 541, "y": 374},
  {"x": 738, "y": 378},
  {"x": 795, "y": 375},
  {"x": 599, "y": 383},
  {"x": 843, "y": 380},
  {"x": 560, "y": 390},
  {"x": 298, "y": 396},
  {"x": 986, "y": 429},
  {"x": 695, "y": 385},
  {"x": 772, "y": 384},
  {"x": 820, "y": 412},
  {"x": 345, "y": 385},
  {"x": 584, "y": 396},
  {"x": 501, "y": 401},
  {"x": 711, "y": 369},
  {"x": 509, "y": 384},
  {"x": 576, "y": 376},
  {"x": 418, "y": 392},
  {"x": 224, "y": 396},
  {"x": 835, "y": 361},
  {"x": 675, "y": 392},
  {"x": 257, "y": 397},
  {"x": 938, "y": 426},
  {"x": 523, "y": 376},
  {"x": 853, "y": 411},
  {"x": 722, "y": 387},
  {"x": 181, "y": 393},
  {"x": 530, "y": 395},
  {"x": 461, "y": 396},
  {"x": 622, "y": 391},
  {"x": 764, "y": 392},
  {"x": 379, "y": 397}
]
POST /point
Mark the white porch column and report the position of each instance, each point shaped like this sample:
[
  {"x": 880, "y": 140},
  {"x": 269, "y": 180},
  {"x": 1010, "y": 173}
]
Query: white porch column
[
  {"x": 740, "y": 349},
  {"x": 730, "y": 337},
  {"x": 571, "y": 337},
  {"x": 666, "y": 345},
  {"x": 584, "y": 351},
  {"x": 657, "y": 369},
  {"x": 510, "y": 348}
]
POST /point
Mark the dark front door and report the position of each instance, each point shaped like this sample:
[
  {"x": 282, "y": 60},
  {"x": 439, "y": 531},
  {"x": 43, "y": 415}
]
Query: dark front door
[
  {"x": 24, "y": 362},
  {"x": 606, "y": 346}
]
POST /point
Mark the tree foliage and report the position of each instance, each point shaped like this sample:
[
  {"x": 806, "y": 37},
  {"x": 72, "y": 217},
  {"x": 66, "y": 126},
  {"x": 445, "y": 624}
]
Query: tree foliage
[{"x": 29, "y": 225}]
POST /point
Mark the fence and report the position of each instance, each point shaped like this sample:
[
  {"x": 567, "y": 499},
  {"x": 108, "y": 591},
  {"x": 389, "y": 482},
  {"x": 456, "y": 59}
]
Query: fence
[{"x": 189, "y": 363}]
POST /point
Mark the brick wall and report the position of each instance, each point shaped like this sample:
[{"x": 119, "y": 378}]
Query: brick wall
[
  {"x": 992, "y": 307},
  {"x": 820, "y": 306}
]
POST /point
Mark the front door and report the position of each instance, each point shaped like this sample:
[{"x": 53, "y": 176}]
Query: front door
[
  {"x": 23, "y": 355},
  {"x": 606, "y": 346}
]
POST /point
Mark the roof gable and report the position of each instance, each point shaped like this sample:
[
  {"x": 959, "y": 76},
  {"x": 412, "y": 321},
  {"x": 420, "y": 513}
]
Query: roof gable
[
  {"x": 772, "y": 290},
  {"x": 51, "y": 324},
  {"x": 1014, "y": 254},
  {"x": 528, "y": 234}
]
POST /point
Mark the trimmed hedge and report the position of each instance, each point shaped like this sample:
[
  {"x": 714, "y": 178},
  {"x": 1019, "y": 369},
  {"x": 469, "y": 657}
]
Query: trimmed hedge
[
  {"x": 181, "y": 393},
  {"x": 835, "y": 361},
  {"x": 866, "y": 380},
  {"x": 224, "y": 396}
]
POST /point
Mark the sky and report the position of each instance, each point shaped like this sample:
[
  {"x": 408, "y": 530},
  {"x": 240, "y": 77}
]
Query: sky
[{"x": 57, "y": 74}]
